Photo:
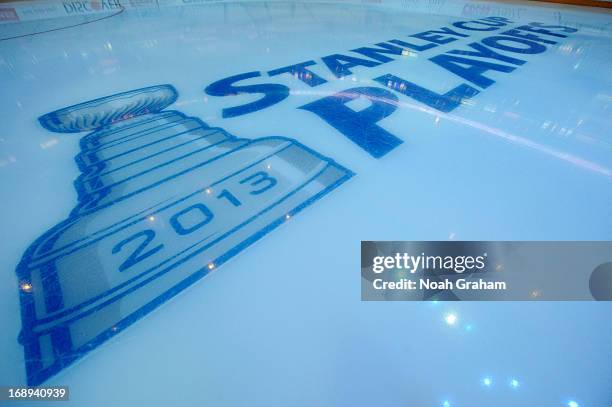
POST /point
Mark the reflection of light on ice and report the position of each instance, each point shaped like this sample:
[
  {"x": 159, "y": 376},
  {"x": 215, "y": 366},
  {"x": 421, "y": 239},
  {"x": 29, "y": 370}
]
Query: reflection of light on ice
[
  {"x": 487, "y": 381},
  {"x": 450, "y": 318},
  {"x": 490, "y": 108},
  {"x": 408, "y": 53},
  {"x": 49, "y": 143}
]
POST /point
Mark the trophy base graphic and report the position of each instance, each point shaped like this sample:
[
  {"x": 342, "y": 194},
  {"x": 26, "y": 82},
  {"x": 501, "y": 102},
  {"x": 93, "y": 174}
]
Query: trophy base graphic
[{"x": 163, "y": 199}]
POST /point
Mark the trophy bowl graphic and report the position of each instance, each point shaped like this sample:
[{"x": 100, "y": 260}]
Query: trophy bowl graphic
[{"x": 163, "y": 199}]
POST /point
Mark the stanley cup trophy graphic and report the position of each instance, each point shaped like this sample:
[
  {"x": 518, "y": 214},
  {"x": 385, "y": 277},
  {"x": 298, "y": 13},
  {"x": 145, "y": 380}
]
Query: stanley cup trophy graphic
[{"x": 163, "y": 199}]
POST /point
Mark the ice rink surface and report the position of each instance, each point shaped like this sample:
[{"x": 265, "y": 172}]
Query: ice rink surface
[{"x": 278, "y": 135}]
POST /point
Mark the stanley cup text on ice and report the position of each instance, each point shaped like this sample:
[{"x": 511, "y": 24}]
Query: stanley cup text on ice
[{"x": 163, "y": 199}]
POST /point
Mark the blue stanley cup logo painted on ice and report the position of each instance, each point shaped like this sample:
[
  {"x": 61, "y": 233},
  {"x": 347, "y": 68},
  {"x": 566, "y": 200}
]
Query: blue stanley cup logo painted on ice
[{"x": 163, "y": 199}]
